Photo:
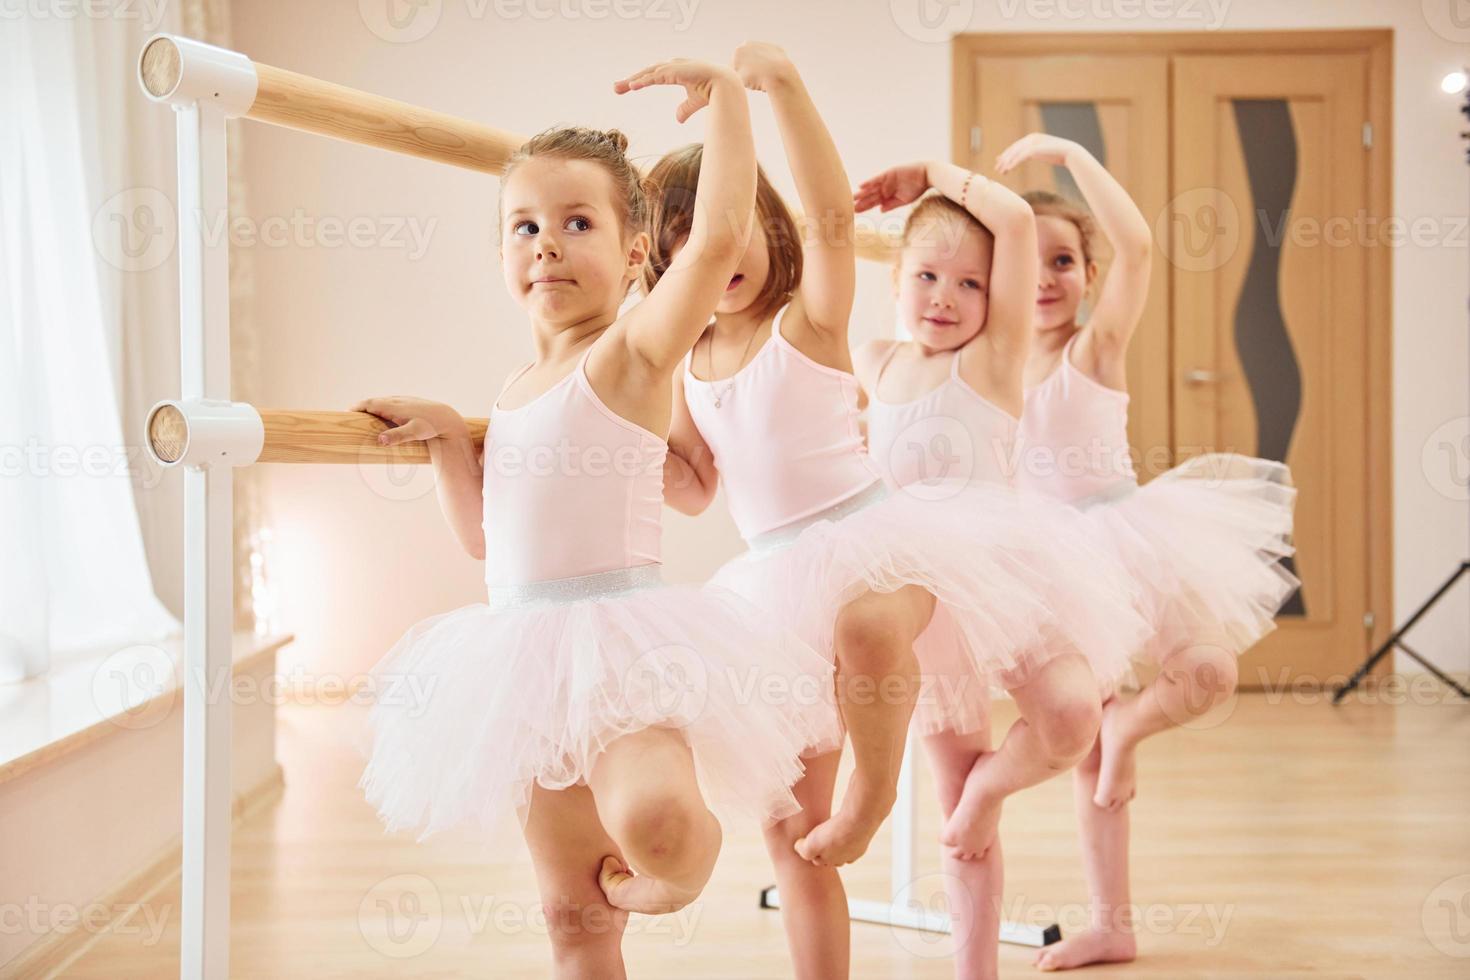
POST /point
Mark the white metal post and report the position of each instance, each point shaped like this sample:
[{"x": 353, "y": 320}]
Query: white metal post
[
  {"x": 205, "y": 85},
  {"x": 204, "y": 368}
]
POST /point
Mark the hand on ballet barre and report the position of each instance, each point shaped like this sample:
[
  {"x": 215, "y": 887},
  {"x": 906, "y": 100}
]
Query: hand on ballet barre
[{"x": 413, "y": 419}]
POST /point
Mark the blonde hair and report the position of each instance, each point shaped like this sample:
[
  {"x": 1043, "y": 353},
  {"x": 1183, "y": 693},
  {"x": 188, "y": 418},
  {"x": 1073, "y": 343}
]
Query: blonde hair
[
  {"x": 1045, "y": 204},
  {"x": 936, "y": 209},
  {"x": 604, "y": 147},
  {"x": 674, "y": 182}
]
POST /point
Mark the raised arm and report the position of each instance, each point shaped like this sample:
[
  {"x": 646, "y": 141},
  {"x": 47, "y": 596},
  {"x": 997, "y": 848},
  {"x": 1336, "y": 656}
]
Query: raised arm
[
  {"x": 1011, "y": 292},
  {"x": 829, "y": 273},
  {"x": 661, "y": 329},
  {"x": 1124, "y": 295},
  {"x": 690, "y": 476}
]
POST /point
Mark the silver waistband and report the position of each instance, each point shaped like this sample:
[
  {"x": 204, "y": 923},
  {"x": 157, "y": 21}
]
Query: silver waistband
[
  {"x": 557, "y": 591},
  {"x": 1107, "y": 495},
  {"x": 787, "y": 533}
]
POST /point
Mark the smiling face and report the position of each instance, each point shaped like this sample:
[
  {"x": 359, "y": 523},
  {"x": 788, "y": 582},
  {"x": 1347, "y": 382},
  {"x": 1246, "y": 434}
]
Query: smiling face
[
  {"x": 564, "y": 251},
  {"x": 1065, "y": 272},
  {"x": 942, "y": 283}
]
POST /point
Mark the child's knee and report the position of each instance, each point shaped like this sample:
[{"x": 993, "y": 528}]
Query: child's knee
[
  {"x": 663, "y": 832},
  {"x": 1068, "y": 727}
]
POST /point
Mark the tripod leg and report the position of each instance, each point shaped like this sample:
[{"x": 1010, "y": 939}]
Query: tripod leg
[
  {"x": 1392, "y": 641},
  {"x": 1444, "y": 678}
]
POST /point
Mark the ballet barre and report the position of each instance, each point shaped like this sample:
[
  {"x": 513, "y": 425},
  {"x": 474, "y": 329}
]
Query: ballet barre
[
  {"x": 198, "y": 434},
  {"x": 208, "y": 435}
]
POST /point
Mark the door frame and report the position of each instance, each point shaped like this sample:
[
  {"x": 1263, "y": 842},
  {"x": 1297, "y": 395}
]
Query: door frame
[{"x": 1377, "y": 47}]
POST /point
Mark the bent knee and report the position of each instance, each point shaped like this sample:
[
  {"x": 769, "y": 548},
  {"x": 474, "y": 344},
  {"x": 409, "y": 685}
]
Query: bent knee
[
  {"x": 1068, "y": 728},
  {"x": 663, "y": 828},
  {"x": 1211, "y": 670}
]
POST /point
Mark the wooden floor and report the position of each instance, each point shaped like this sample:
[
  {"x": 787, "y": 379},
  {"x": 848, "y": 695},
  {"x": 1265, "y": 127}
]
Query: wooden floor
[{"x": 1290, "y": 839}]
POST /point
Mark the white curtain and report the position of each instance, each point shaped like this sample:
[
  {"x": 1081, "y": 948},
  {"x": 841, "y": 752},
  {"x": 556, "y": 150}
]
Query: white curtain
[{"x": 74, "y": 576}]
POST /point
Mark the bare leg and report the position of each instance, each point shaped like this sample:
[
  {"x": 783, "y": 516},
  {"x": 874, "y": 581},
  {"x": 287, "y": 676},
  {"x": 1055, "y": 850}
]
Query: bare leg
[
  {"x": 877, "y": 686},
  {"x": 813, "y": 901},
  {"x": 975, "y": 887},
  {"x": 567, "y": 845},
  {"x": 1109, "y": 937},
  {"x": 1193, "y": 680},
  {"x": 1060, "y": 715},
  {"x": 650, "y": 803}
]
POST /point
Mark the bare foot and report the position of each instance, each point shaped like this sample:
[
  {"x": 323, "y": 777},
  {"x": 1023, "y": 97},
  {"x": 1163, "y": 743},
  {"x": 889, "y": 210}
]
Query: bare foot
[
  {"x": 972, "y": 828},
  {"x": 1117, "y": 772},
  {"x": 641, "y": 893},
  {"x": 1092, "y": 946},
  {"x": 844, "y": 837}
]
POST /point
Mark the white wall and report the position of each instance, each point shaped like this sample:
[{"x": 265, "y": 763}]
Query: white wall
[{"x": 359, "y": 558}]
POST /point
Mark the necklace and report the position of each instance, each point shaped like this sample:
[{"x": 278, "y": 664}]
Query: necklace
[{"x": 710, "y": 364}]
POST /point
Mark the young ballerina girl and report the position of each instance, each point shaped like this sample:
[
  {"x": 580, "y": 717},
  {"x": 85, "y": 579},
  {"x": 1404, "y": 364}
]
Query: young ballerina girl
[
  {"x": 606, "y": 707},
  {"x": 769, "y": 408},
  {"x": 1204, "y": 540},
  {"x": 965, "y": 286}
]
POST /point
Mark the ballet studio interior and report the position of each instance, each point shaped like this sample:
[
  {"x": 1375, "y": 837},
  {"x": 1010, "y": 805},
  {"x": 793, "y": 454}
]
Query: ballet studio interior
[{"x": 672, "y": 489}]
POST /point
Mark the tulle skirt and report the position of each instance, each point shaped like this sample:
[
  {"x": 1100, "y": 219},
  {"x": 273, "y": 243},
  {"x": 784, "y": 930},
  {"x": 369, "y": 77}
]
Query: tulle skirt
[
  {"x": 1205, "y": 541},
  {"x": 475, "y": 705},
  {"x": 1018, "y": 582}
]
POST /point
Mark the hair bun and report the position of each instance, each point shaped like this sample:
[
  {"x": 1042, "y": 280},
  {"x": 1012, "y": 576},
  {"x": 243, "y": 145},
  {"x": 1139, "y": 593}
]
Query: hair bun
[{"x": 617, "y": 138}]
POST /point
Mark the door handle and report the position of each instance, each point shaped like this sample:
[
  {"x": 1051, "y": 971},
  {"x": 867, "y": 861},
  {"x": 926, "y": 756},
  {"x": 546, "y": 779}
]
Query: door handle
[{"x": 1199, "y": 376}]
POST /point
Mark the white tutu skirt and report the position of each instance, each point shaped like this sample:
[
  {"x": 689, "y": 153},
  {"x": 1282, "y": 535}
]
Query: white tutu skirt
[
  {"x": 1018, "y": 582},
  {"x": 475, "y": 705},
  {"x": 1205, "y": 541}
]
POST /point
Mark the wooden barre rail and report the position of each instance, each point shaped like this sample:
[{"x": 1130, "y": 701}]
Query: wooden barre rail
[
  {"x": 308, "y": 437},
  {"x": 311, "y": 105},
  {"x": 285, "y": 98}
]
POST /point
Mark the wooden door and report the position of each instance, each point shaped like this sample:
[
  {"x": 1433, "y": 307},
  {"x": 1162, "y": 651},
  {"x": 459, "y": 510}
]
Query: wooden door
[
  {"x": 1118, "y": 108},
  {"x": 1248, "y": 155},
  {"x": 1269, "y": 266}
]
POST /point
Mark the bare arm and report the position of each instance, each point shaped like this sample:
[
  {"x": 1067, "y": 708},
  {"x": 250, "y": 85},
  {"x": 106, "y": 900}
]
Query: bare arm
[
  {"x": 829, "y": 273},
  {"x": 1011, "y": 298},
  {"x": 690, "y": 476},
  {"x": 459, "y": 480},
  {"x": 1125, "y": 291},
  {"x": 459, "y": 475},
  {"x": 660, "y": 330}
]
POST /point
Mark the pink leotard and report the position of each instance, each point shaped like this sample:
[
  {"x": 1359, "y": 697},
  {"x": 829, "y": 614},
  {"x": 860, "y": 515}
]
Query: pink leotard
[
  {"x": 1074, "y": 436},
  {"x": 785, "y": 435},
  {"x": 952, "y": 433},
  {"x": 571, "y": 487}
]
